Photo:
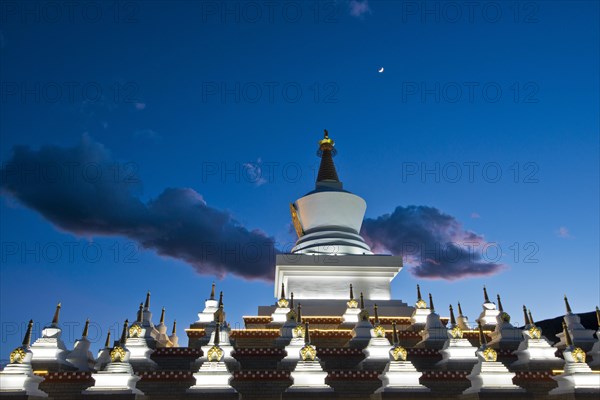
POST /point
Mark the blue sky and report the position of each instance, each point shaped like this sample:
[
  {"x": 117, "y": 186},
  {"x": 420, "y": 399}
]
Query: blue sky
[{"x": 177, "y": 93}]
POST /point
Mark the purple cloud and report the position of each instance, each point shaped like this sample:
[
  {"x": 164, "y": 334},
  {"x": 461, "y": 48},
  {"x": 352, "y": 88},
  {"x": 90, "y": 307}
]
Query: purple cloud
[
  {"x": 82, "y": 190},
  {"x": 359, "y": 8},
  {"x": 434, "y": 243}
]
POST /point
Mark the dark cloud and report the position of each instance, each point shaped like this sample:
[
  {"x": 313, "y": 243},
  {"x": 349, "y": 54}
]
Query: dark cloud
[
  {"x": 83, "y": 191},
  {"x": 433, "y": 242}
]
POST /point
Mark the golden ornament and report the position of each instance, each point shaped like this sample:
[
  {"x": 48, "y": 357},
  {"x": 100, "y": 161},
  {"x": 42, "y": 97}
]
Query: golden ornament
[
  {"x": 490, "y": 354},
  {"x": 18, "y": 356},
  {"x": 215, "y": 353},
  {"x": 398, "y": 353},
  {"x": 117, "y": 354},
  {"x": 308, "y": 353}
]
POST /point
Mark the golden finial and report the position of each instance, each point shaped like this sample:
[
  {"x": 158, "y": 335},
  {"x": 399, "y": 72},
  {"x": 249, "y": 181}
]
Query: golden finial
[
  {"x": 452, "y": 319},
  {"x": 212, "y": 291},
  {"x": 147, "y": 304},
  {"x": 282, "y": 302},
  {"x": 567, "y": 305},
  {"x": 86, "y": 328},
  {"x": 378, "y": 329},
  {"x": 162, "y": 316},
  {"x": 107, "y": 342},
  {"x": 308, "y": 352},
  {"x": 431, "y": 303},
  {"x": 124, "y": 332},
  {"x": 326, "y": 143},
  {"x": 174, "y": 331},
  {"x": 56, "y": 314},
  {"x": 485, "y": 295},
  {"x": 352, "y": 303},
  {"x": 27, "y": 338},
  {"x": 525, "y": 316},
  {"x": 420, "y": 302},
  {"x": 500, "y": 308},
  {"x": 460, "y": 311},
  {"x": 531, "y": 320}
]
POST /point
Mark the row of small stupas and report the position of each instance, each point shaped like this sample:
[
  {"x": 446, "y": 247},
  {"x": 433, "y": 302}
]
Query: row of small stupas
[{"x": 396, "y": 349}]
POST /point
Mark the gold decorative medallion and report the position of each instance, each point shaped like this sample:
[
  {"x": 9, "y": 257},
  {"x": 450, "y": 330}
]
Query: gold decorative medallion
[
  {"x": 296, "y": 221},
  {"x": 308, "y": 353},
  {"x": 490, "y": 354},
  {"x": 18, "y": 356},
  {"x": 352, "y": 303},
  {"x": 379, "y": 331},
  {"x": 535, "y": 332},
  {"x": 135, "y": 330},
  {"x": 282, "y": 303},
  {"x": 456, "y": 333},
  {"x": 298, "y": 332},
  {"x": 398, "y": 353},
  {"x": 214, "y": 354},
  {"x": 421, "y": 304},
  {"x": 117, "y": 354},
  {"x": 578, "y": 355},
  {"x": 505, "y": 317}
]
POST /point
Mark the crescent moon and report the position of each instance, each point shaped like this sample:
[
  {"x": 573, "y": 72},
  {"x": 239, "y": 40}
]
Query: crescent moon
[{"x": 380, "y": 70}]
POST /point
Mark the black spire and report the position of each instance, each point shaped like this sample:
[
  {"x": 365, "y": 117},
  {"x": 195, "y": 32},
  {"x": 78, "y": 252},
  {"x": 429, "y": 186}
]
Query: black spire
[{"x": 327, "y": 175}]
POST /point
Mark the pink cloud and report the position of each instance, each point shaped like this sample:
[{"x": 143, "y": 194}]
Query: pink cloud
[
  {"x": 140, "y": 106},
  {"x": 359, "y": 8},
  {"x": 475, "y": 215},
  {"x": 563, "y": 232}
]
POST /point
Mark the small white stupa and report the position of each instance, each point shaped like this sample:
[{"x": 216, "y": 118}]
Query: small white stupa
[
  {"x": 117, "y": 377},
  {"x": 505, "y": 335},
  {"x": 173, "y": 337},
  {"x": 419, "y": 315},
  {"x": 162, "y": 339},
  {"x": 361, "y": 333},
  {"x": 137, "y": 343},
  {"x": 487, "y": 318},
  {"x": 400, "y": 374},
  {"x": 535, "y": 351},
  {"x": 294, "y": 330},
  {"x": 350, "y": 317},
  {"x": 377, "y": 350},
  {"x": 49, "y": 351},
  {"x": 18, "y": 377},
  {"x": 577, "y": 376},
  {"x": 581, "y": 337},
  {"x": 308, "y": 375},
  {"x": 435, "y": 334},
  {"x": 81, "y": 357},
  {"x": 462, "y": 320},
  {"x": 489, "y": 375},
  {"x": 286, "y": 332},
  {"x": 457, "y": 351},
  {"x": 213, "y": 375},
  {"x": 103, "y": 356},
  {"x": 595, "y": 352},
  {"x": 279, "y": 316},
  {"x": 219, "y": 333}
]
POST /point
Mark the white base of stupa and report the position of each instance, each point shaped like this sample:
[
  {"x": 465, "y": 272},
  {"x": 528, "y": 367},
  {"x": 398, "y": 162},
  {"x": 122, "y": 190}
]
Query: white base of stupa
[
  {"x": 350, "y": 317},
  {"x": 576, "y": 378},
  {"x": 377, "y": 350},
  {"x": 487, "y": 318},
  {"x": 280, "y": 315},
  {"x": 594, "y": 353},
  {"x": 19, "y": 379},
  {"x": 532, "y": 351},
  {"x": 208, "y": 314},
  {"x": 457, "y": 351},
  {"x": 488, "y": 376},
  {"x": 309, "y": 376},
  {"x": 213, "y": 377},
  {"x": 361, "y": 334},
  {"x": 401, "y": 376},
  {"x": 293, "y": 350},
  {"x": 139, "y": 353},
  {"x": 117, "y": 378},
  {"x": 419, "y": 318}
]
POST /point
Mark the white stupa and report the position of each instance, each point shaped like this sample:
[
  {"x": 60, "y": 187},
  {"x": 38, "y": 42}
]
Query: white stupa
[
  {"x": 377, "y": 351},
  {"x": 103, "y": 357},
  {"x": 49, "y": 351},
  {"x": 489, "y": 375},
  {"x": 218, "y": 333},
  {"x": 594, "y": 353},
  {"x": 162, "y": 339},
  {"x": 487, "y": 318},
  {"x": 308, "y": 375},
  {"x": 434, "y": 334},
  {"x": 117, "y": 377},
  {"x": 535, "y": 352},
  {"x": 505, "y": 335},
  {"x": 418, "y": 318},
  {"x": 577, "y": 377},
  {"x": 137, "y": 341},
  {"x": 581, "y": 337},
  {"x": 462, "y": 320},
  {"x": 279, "y": 316},
  {"x": 350, "y": 317},
  {"x": 173, "y": 337},
  {"x": 292, "y": 335},
  {"x": 329, "y": 251},
  {"x": 400, "y": 375},
  {"x": 361, "y": 333},
  {"x": 81, "y": 357},
  {"x": 211, "y": 305},
  {"x": 18, "y": 379},
  {"x": 457, "y": 351},
  {"x": 213, "y": 375}
]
